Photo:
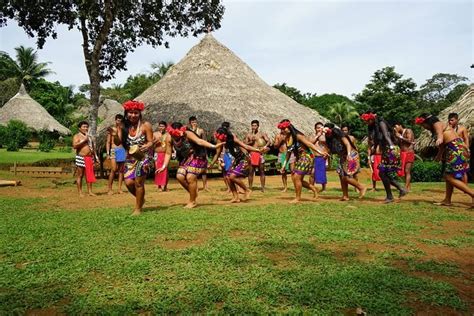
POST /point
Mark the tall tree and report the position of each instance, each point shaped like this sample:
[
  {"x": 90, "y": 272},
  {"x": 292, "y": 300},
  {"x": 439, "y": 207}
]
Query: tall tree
[
  {"x": 111, "y": 29},
  {"x": 292, "y": 92},
  {"x": 342, "y": 113},
  {"x": 24, "y": 68},
  {"x": 390, "y": 95}
]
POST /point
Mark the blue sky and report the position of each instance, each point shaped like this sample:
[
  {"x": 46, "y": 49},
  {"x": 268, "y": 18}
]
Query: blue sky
[{"x": 315, "y": 46}]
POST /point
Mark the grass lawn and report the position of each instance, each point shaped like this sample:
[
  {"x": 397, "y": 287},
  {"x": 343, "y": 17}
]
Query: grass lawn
[
  {"x": 324, "y": 257},
  {"x": 25, "y": 156}
]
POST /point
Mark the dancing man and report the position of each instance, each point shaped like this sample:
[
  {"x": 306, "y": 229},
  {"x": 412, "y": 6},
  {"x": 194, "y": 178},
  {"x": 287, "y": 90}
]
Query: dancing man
[
  {"x": 159, "y": 140},
  {"x": 406, "y": 139},
  {"x": 137, "y": 138},
  {"x": 260, "y": 140},
  {"x": 85, "y": 154},
  {"x": 191, "y": 155},
  {"x": 455, "y": 153},
  {"x": 116, "y": 153},
  {"x": 301, "y": 147},
  {"x": 381, "y": 134}
]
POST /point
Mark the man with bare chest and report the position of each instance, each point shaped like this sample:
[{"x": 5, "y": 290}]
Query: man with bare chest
[
  {"x": 453, "y": 121},
  {"x": 406, "y": 141},
  {"x": 84, "y": 147},
  {"x": 261, "y": 141},
  {"x": 159, "y": 140}
]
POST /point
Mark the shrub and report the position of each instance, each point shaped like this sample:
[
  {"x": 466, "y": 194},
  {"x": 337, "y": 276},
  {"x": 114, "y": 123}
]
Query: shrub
[
  {"x": 427, "y": 171},
  {"x": 16, "y": 135},
  {"x": 47, "y": 140},
  {"x": 3, "y": 131}
]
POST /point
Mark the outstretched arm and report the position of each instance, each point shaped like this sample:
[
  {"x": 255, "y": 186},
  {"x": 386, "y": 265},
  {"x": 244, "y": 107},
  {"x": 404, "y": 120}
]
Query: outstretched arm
[
  {"x": 245, "y": 146},
  {"x": 168, "y": 151},
  {"x": 217, "y": 155},
  {"x": 302, "y": 139}
]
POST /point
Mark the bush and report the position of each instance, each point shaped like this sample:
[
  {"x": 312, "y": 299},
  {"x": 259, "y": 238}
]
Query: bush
[
  {"x": 16, "y": 135},
  {"x": 427, "y": 171},
  {"x": 3, "y": 131},
  {"x": 47, "y": 140}
]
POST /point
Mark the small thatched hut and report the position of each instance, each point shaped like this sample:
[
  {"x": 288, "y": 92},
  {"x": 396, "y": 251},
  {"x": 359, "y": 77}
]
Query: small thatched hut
[
  {"x": 23, "y": 108},
  {"x": 465, "y": 109},
  {"x": 214, "y": 85}
]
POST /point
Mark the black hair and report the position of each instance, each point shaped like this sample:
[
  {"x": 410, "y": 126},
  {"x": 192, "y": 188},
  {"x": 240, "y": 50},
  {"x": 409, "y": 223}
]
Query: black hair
[
  {"x": 119, "y": 116},
  {"x": 430, "y": 120},
  {"x": 176, "y": 125},
  {"x": 126, "y": 128},
  {"x": 294, "y": 133},
  {"x": 82, "y": 123},
  {"x": 345, "y": 125},
  {"x": 192, "y": 118},
  {"x": 225, "y": 125},
  {"x": 334, "y": 139},
  {"x": 375, "y": 132},
  {"x": 319, "y": 123},
  {"x": 229, "y": 143},
  {"x": 453, "y": 115},
  {"x": 163, "y": 123},
  {"x": 255, "y": 122}
]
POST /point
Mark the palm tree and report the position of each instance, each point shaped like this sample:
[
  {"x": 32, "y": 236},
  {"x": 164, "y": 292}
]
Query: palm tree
[
  {"x": 25, "y": 68},
  {"x": 160, "y": 70},
  {"x": 342, "y": 112}
]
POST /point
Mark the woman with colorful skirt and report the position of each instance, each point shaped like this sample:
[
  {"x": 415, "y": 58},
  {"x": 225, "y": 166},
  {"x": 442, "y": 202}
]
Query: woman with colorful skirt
[
  {"x": 240, "y": 163},
  {"x": 301, "y": 147},
  {"x": 383, "y": 135},
  {"x": 349, "y": 160},
  {"x": 137, "y": 137},
  {"x": 191, "y": 155},
  {"x": 453, "y": 151}
]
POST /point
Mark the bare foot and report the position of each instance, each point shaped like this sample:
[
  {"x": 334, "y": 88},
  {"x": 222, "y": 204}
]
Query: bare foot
[
  {"x": 284, "y": 190},
  {"x": 263, "y": 190},
  {"x": 143, "y": 203},
  {"x": 247, "y": 194},
  {"x": 315, "y": 192},
  {"x": 136, "y": 212},
  {"x": 110, "y": 192},
  {"x": 402, "y": 193},
  {"x": 362, "y": 192},
  {"x": 443, "y": 203},
  {"x": 235, "y": 200},
  {"x": 82, "y": 194},
  {"x": 91, "y": 194},
  {"x": 373, "y": 190},
  {"x": 344, "y": 199},
  {"x": 120, "y": 192},
  {"x": 388, "y": 201},
  {"x": 295, "y": 201},
  {"x": 191, "y": 205}
]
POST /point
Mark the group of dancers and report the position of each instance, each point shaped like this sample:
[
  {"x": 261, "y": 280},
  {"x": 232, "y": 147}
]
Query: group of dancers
[{"x": 135, "y": 151}]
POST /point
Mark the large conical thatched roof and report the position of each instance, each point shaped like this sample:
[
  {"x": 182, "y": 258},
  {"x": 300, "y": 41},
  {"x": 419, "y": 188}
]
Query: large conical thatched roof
[
  {"x": 214, "y": 85},
  {"x": 465, "y": 109},
  {"x": 23, "y": 108}
]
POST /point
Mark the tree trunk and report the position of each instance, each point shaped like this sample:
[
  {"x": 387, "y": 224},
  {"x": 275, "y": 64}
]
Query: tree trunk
[{"x": 94, "y": 79}]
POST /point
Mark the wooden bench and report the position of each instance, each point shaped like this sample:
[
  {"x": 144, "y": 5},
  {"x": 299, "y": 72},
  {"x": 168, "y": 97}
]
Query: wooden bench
[{"x": 40, "y": 171}]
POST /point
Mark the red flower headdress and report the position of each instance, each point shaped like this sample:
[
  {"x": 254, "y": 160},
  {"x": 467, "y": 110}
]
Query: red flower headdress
[
  {"x": 419, "y": 120},
  {"x": 178, "y": 132},
  {"x": 284, "y": 125},
  {"x": 368, "y": 116},
  {"x": 221, "y": 137},
  {"x": 131, "y": 105},
  {"x": 327, "y": 131}
]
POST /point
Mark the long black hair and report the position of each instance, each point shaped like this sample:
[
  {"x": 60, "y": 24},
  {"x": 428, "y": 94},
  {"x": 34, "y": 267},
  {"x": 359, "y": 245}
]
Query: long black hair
[
  {"x": 375, "y": 132},
  {"x": 229, "y": 142},
  {"x": 126, "y": 127},
  {"x": 430, "y": 120},
  {"x": 294, "y": 133},
  {"x": 334, "y": 139}
]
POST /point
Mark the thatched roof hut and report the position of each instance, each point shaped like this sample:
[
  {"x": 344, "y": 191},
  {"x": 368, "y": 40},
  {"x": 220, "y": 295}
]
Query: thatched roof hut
[
  {"x": 107, "y": 108},
  {"x": 215, "y": 85},
  {"x": 465, "y": 109},
  {"x": 23, "y": 108}
]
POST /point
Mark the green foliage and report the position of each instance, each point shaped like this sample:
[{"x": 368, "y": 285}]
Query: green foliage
[
  {"x": 341, "y": 113},
  {"x": 8, "y": 88},
  {"x": 390, "y": 95},
  {"x": 30, "y": 156},
  {"x": 364, "y": 159},
  {"x": 292, "y": 92},
  {"x": 3, "y": 133},
  {"x": 16, "y": 135},
  {"x": 47, "y": 140},
  {"x": 426, "y": 171},
  {"x": 55, "y": 98}
]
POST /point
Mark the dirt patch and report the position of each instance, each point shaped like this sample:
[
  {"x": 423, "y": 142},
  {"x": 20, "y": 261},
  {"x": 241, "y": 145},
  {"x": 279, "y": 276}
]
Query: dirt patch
[
  {"x": 184, "y": 241},
  {"x": 280, "y": 259},
  {"x": 446, "y": 229},
  {"x": 50, "y": 311},
  {"x": 243, "y": 234},
  {"x": 424, "y": 309}
]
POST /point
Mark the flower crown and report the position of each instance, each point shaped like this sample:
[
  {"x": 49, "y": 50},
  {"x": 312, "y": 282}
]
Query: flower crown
[
  {"x": 222, "y": 137},
  {"x": 176, "y": 132},
  {"x": 327, "y": 131},
  {"x": 131, "y": 105},
  {"x": 284, "y": 125},
  {"x": 368, "y": 116},
  {"x": 419, "y": 120}
]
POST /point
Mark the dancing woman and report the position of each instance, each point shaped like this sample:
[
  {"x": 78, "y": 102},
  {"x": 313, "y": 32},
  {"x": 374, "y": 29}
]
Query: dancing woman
[
  {"x": 349, "y": 160},
  {"x": 191, "y": 154},
  {"x": 383, "y": 135},
  {"x": 453, "y": 151},
  {"x": 301, "y": 147},
  {"x": 137, "y": 138},
  {"x": 240, "y": 167}
]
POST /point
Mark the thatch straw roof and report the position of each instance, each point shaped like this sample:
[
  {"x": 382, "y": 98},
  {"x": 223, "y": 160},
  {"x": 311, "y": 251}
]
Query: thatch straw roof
[
  {"x": 23, "y": 108},
  {"x": 465, "y": 109},
  {"x": 215, "y": 85},
  {"x": 107, "y": 108}
]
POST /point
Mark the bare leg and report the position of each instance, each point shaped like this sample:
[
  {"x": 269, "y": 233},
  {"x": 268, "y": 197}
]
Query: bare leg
[
  {"x": 298, "y": 186},
  {"x": 139, "y": 184},
  {"x": 240, "y": 182},
  {"x": 80, "y": 175},
  {"x": 387, "y": 186},
  {"x": 120, "y": 177},
  {"x": 205, "y": 186},
  {"x": 374, "y": 186},
  {"x": 344, "y": 188},
  {"x": 182, "y": 180},
  {"x": 356, "y": 184},
  {"x": 251, "y": 173},
  {"x": 111, "y": 177},
  {"x": 311, "y": 187},
  {"x": 323, "y": 187},
  {"x": 262, "y": 176},
  {"x": 89, "y": 189},
  {"x": 130, "y": 184},
  {"x": 460, "y": 185},
  {"x": 284, "y": 179},
  {"x": 235, "y": 193},
  {"x": 408, "y": 176},
  {"x": 192, "y": 179}
]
